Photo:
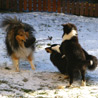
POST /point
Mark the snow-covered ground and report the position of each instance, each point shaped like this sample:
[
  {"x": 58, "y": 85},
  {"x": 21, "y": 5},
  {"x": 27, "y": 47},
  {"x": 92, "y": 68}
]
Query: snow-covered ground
[{"x": 44, "y": 80}]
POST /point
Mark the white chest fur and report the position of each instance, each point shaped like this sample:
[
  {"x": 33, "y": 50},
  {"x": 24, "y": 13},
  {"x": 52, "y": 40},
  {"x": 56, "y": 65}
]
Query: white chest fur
[
  {"x": 56, "y": 48},
  {"x": 70, "y": 35},
  {"x": 23, "y": 53}
]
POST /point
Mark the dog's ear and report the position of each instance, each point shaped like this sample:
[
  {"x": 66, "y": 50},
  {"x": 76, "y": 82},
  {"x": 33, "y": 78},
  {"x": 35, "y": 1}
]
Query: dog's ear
[
  {"x": 27, "y": 34},
  {"x": 66, "y": 24},
  {"x": 48, "y": 50},
  {"x": 63, "y": 25}
]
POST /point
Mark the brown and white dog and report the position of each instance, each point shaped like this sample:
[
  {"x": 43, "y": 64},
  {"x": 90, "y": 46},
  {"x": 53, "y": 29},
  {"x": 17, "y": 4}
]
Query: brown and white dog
[{"x": 20, "y": 40}]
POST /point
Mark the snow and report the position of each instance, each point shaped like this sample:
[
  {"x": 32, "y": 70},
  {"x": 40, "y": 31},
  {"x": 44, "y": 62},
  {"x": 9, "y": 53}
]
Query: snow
[{"x": 43, "y": 81}]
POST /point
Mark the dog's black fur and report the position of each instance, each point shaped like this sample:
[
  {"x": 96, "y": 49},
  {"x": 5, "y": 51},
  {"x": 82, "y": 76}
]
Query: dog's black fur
[
  {"x": 77, "y": 58},
  {"x": 60, "y": 61}
]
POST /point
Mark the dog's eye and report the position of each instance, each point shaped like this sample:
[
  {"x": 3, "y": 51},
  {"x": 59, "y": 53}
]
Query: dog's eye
[
  {"x": 22, "y": 40},
  {"x": 21, "y": 35}
]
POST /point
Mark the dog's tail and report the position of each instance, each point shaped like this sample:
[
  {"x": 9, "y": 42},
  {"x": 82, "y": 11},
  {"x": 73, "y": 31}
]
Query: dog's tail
[
  {"x": 93, "y": 59},
  {"x": 91, "y": 64},
  {"x": 94, "y": 62},
  {"x": 9, "y": 22}
]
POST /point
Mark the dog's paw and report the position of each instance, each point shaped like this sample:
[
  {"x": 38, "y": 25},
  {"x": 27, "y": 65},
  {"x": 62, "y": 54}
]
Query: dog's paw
[
  {"x": 83, "y": 83},
  {"x": 60, "y": 87},
  {"x": 33, "y": 68},
  {"x": 17, "y": 70},
  {"x": 69, "y": 86}
]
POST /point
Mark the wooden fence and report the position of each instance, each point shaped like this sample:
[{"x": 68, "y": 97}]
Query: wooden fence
[{"x": 60, "y": 6}]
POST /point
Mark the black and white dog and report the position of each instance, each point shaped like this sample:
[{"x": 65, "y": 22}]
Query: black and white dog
[
  {"x": 57, "y": 58},
  {"x": 77, "y": 58},
  {"x": 60, "y": 61}
]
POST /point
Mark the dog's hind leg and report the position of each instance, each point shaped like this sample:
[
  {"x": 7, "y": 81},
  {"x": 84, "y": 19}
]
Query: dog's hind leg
[
  {"x": 15, "y": 62},
  {"x": 70, "y": 73},
  {"x": 31, "y": 62},
  {"x": 83, "y": 77}
]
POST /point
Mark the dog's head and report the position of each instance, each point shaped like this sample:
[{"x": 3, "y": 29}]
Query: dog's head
[
  {"x": 17, "y": 33},
  {"x": 53, "y": 48},
  {"x": 21, "y": 37},
  {"x": 69, "y": 30}
]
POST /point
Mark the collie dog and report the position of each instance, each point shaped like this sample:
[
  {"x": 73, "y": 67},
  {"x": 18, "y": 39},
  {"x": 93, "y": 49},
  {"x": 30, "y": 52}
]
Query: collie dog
[
  {"x": 20, "y": 40},
  {"x": 77, "y": 58}
]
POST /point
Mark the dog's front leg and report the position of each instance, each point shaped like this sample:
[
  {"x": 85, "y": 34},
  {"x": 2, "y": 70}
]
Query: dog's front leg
[
  {"x": 15, "y": 62},
  {"x": 31, "y": 62}
]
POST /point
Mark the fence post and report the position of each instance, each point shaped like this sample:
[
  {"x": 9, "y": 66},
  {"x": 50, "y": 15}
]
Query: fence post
[
  {"x": 68, "y": 7},
  {"x": 49, "y": 6},
  {"x": 30, "y": 5},
  {"x": 63, "y": 6},
  {"x": 14, "y": 4},
  {"x": 54, "y": 5},
  {"x": 72, "y": 7},
  {"x": 96, "y": 10},
  {"x": 81, "y": 8},
  {"x": 25, "y": 4},
  {"x": 59, "y": 6},
  {"x": 34, "y": 5},
  {"x": 86, "y": 9},
  {"x": 44, "y": 5},
  {"x": 91, "y": 11},
  {"x": 7, "y": 4},
  {"x": 3, "y": 5},
  {"x": 77, "y": 10},
  {"x": 20, "y": 5},
  {"x": 11, "y": 5},
  {"x": 0, "y": 4},
  {"x": 39, "y": 5}
]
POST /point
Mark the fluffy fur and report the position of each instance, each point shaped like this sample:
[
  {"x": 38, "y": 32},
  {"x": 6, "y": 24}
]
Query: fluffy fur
[
  {"x": 76, "y": 57},
  {"x": 20, "y": 40}
]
